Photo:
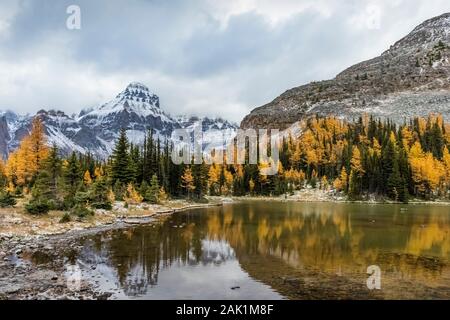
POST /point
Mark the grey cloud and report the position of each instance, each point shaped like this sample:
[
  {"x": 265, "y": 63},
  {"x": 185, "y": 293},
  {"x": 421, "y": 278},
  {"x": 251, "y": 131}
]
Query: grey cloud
[{"x": 184, "y": 53}]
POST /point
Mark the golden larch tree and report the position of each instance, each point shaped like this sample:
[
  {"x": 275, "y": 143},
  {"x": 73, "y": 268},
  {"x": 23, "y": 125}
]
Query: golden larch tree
[
  {"x": 24, "y": 163},
  {"x": 87, "y": 178},
  {"x": 187, "y": 181}
]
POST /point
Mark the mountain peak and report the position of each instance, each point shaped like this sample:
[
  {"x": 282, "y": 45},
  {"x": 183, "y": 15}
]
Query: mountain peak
[
  {"x": 138, "y": 92},
  {"x": 137, "y": 87},
  {"x": 137, "y": 84},
  {"x": 426, "y": 34},
  {"x": 135, "y": 99},
  {"x": 442, "y": 21}
]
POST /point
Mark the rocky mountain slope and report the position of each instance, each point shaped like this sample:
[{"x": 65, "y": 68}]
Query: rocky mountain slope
[
  {"x": 410, "y": 79},
  {"x": 95, "y": 130}
]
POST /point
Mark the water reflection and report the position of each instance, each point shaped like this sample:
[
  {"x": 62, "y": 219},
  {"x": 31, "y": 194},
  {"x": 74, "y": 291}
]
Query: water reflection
[{"x": 258, "y": 245}]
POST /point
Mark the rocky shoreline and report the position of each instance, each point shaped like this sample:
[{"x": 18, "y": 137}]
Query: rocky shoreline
[
  {"x": 35, "y": 267},
  {"x": 316, "y": 195}
]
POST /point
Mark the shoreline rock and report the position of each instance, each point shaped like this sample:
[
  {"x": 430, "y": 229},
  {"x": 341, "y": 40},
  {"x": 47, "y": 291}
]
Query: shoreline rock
[{"x": 21, "y": 278}]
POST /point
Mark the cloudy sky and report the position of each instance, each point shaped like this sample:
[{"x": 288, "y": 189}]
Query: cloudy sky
[{"x": 203, "y": 57}]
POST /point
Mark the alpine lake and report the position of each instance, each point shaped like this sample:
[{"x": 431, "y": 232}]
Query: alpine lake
[{"x": 277, "y": 250}]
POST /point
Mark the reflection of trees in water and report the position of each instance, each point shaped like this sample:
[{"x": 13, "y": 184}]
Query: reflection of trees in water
[
  {"x": 138, "y": 254},
  {"x": 340, "y": 238},
  {"x": 334, "y": 238}
]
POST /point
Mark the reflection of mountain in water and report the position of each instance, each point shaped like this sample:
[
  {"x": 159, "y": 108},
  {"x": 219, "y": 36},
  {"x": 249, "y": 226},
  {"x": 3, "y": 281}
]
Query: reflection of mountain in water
[
  {"x": 317, "y": 245},
  {"x": 135, "y": 256},
  {"x": 215, "y": 252}
]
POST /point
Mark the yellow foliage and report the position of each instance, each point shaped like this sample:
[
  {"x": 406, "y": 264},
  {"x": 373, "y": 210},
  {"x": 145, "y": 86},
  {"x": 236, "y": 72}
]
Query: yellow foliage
[
  {"x": 10, "y": 188},
  {"x": 337, "y": 184},
  {"x": 98, "y": 172},
  {"x": 446, "y": 162},
  {"x": 422, "y": 124},
  {"x": 87, "y": 178},
  {"x": 228, "y": 187},
  {"x": 132, "y": 196},
  {"x": 376, "y": 148},
  {"x": 239, "y": 171},
  {"x": 296, "y": 155},
  {"x": 187, "y": 181},
  {"x": 392, "y": 138},
  {"x": 111, "y": 196},
  {"x": 427, "y": 172},
  {"x": 312, "y": 158},
  {"x": 356, "y": 162},
  {"x": 341, "y": 183},
  {"x": 280, "y": 168},
  {"x": 324, "y": 183},
  {"x": 24, "y": 163},
  {"x": 407, "y": 138},
  {"x": 447, "y": 133},
  {"x": 294, "y": 176},
  {"x": 162, "y": 196},
  {"x": 213, "y": 177}
]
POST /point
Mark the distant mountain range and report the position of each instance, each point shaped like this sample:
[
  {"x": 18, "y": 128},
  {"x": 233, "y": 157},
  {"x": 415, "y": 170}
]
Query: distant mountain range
[
  {"x": 410, "y": 79},
  {"x": 95, "y": 130}
]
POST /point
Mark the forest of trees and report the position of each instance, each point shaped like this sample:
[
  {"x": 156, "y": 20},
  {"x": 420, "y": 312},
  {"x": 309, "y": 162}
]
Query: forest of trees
[{"x": 361, "y": 159}]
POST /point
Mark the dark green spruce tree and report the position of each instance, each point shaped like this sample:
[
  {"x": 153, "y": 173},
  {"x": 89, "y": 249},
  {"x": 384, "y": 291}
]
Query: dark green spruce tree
[
  {"x": 71, "y": 180},
  {"x": 120, "y": 164}
]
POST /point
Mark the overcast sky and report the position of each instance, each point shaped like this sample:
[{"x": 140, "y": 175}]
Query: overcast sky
[{"x": 203, "y": 57}]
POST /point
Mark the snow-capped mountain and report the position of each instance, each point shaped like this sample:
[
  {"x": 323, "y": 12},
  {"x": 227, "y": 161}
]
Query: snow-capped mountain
[
  {"x": 95, "y": 130},
  {"x": 216, "y": 132}
]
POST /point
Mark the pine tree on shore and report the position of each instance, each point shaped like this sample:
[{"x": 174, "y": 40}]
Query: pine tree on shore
[
  {"x": 152, "y": 192},
  {"x": 71, "y": 179},
  {"x": 120, "y": 166}
]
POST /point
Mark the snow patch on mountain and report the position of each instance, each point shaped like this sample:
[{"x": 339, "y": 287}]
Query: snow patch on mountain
[{"x": 96, "y": 129}]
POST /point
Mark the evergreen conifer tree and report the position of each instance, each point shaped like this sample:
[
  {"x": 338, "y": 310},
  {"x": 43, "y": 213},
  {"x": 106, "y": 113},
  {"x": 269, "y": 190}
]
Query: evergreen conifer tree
[
  {"x": 72, "y": 180},
  {"x": 120, "y": 166},
  {"x": 99, "y": 194},
  {"x": 152, "y": 193}
]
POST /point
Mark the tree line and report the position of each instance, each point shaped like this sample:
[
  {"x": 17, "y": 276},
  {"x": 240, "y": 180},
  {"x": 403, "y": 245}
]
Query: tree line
[{"x": 363, "y": 158}]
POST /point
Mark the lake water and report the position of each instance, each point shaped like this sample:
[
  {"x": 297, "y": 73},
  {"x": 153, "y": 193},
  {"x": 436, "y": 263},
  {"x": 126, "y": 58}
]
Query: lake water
[{"x": 277, "y": 250}]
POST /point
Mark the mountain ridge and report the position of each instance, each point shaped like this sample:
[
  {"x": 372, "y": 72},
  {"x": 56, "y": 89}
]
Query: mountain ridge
[
  {"x": 95, "y": 130},
  {"x": 409, "y": 79}
]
